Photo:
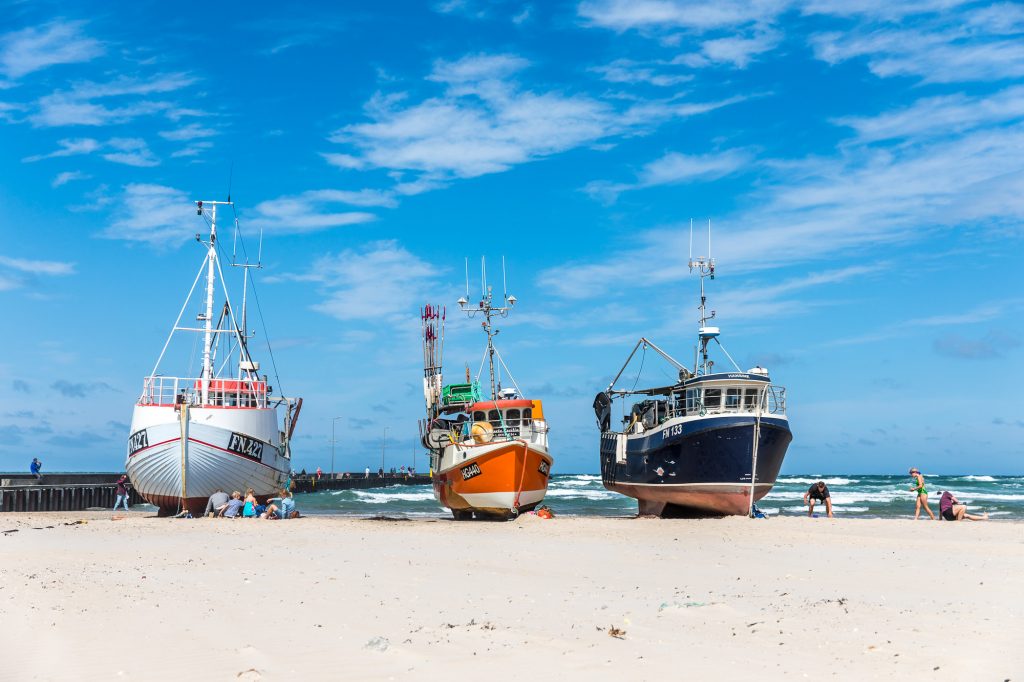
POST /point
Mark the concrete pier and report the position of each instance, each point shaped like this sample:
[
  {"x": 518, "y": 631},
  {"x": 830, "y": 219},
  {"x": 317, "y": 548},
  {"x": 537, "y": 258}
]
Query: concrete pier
[
  {"x": 311, "y": 484},
  {"x": 60, "y": 492}
]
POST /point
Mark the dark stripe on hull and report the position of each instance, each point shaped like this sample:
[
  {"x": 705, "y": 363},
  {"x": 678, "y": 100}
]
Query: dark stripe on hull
[{"x": 706, "y": 468}]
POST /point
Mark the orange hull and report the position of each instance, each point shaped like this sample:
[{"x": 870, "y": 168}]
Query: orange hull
[{"x": 503, "y": 480}]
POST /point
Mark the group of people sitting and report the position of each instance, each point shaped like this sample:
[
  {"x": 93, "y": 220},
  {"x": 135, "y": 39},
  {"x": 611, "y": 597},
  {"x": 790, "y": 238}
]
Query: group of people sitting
[{"x": 235, "y": 506}]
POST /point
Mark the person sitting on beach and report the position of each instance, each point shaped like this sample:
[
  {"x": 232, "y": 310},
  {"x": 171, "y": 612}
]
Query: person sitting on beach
[
  {"x": 818, "y": 491},
  {"x": 922, "y": 494},
  {"x": 233, "y": 507},
  {"x": 286, "y": 507},
  {"x": 249, "y": 504},
  {"x": 218, "y": 500},
  {"x": 951, "y": 509}
]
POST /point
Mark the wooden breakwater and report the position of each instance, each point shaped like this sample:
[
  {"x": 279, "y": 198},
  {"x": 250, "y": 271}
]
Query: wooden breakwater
[
  {"x": 311, "y": 483},
  {"x": 60, "y": 492}
]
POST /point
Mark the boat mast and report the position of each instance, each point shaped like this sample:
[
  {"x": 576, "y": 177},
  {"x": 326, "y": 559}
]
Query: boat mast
[
  {"x": 705, "y": 266},
  {"x": 487, "y": 308},
  {"x": 211, "y": 267}
]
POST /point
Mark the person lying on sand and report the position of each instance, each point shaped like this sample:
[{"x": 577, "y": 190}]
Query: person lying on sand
[
  {"x": 951, "y": 509},
  {"x": 818, "y": 491}
]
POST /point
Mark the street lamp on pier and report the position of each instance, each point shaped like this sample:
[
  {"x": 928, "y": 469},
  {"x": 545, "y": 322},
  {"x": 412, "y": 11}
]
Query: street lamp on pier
[{"x": 333, "y": 440}]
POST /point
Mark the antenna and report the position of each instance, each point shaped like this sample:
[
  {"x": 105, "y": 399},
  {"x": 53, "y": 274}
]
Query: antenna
[
  {"x": 259, "y": 252},
  {"x": 691, "y": 243},
  {"x": 231, "y": 177},
  {"x": 504, "y": 283},
  {"x": 709, "y": 238},
  {"x": 467, "y": 278},
  {"x": 483, "y": 275}
]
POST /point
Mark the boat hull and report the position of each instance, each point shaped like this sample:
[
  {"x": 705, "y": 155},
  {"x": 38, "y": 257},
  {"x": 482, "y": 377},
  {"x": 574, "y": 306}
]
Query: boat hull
[
  {"x": 496, "y": 480},
  {"x": 704, "y": 468},
  {"x": 175, "y": 478}
]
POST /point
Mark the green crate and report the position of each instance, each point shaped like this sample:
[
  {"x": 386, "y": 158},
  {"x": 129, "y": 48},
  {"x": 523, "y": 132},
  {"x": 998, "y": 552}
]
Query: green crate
[{"x": 460, "y": 393}]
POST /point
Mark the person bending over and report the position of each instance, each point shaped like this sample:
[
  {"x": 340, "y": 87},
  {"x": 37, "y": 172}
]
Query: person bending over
[
  {"x": 818, "y": 492},
  {"x": 951, "y": 509},
  {"x": 218, "y": 500}
]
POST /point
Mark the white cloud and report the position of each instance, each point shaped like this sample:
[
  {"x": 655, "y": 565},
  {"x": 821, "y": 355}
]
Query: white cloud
[
  {"x": 633, "y": 72},
  {"x": 35, "y": 48},
  {"x": 312, "y": 211},
  {"x": 68, "y": 147},
  {"x": 945, "y": 115},
  {"x": 954, "y": 48},
  {"x": 16, "y": 273},
  {"x": 153, "y": 214},
  {"x": 819, "y": 209},
  {"x": 130, "y": 151},
  {"x": 624, "y": 15},
  {"x": 68, "y": 176},
  {"x": 735, "y": 50},
  {"x": 485, "y": 122},
  {"x": 675, "y": 168},
  {"x": 381, "y": 281},
  {"x": 77, "y": 106},
  {"x": 194, "y": 149},
  {"x": 190, "y": 132}
]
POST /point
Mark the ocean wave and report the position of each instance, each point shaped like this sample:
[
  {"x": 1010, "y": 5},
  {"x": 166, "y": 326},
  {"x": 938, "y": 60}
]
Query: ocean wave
[
  {"x": 809, "y": 481},
  {"x": 383, "y": 498},
  {"x": 586, "y": 494},
  {"x": 984, "y": 479}
]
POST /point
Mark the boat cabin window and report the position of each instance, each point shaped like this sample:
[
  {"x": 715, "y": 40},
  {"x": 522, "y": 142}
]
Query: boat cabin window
[
  {"x": 479, "y": 416},
  {"x": 527, "y": 416},
  {"x": 750, "y": 398},
  {"x": 732, "y": 398},
  {"x": 512, "y": 417},
  {"x": 692, "y": 399},
  {"x": 712, "y": 398},
  {"x": 493, "y": 417}
]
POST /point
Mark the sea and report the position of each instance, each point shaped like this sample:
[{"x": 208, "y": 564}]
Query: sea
[{"x": 853, "y": 496}]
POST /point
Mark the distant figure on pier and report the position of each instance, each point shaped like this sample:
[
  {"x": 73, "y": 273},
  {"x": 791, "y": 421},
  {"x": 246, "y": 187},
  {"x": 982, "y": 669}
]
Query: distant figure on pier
[
  {"x": 122, "y": 492},
  {"x": 367, "y": 472},
  {"x": 218, "y": 500},
  {"x": 35, "y": 467},
  {"x": 319, "y": 473}
]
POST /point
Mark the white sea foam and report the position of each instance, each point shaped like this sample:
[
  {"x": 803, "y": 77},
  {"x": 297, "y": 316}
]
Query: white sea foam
[
  {"x": 586, "y": 494},
  {"x": 809, "y": 481},
  {"x": 383, "y": 498},
  {"x": 985, "y": 479}
]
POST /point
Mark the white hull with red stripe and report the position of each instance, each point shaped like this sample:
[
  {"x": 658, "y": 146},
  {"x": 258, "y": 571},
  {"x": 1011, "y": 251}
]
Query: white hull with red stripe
[{"x": 226, "y": 448}]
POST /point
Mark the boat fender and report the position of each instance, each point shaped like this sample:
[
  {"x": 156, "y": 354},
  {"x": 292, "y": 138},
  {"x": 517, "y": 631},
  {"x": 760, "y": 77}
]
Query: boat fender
[
  {"x": 603, "y": 411},
  {"x": 482, "y": 432}
]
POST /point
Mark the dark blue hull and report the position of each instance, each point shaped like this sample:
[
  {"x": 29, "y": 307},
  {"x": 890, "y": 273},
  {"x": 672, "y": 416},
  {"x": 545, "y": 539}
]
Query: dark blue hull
[{"x": 704, "y": 466}]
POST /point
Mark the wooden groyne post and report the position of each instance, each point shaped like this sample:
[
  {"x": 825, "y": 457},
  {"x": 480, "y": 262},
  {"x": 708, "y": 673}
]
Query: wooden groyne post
[{"x": 60, "y": 492}]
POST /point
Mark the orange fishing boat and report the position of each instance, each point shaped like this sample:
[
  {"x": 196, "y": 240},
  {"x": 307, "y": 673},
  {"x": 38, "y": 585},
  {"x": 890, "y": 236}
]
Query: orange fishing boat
[{"x": 489, "y": 457}]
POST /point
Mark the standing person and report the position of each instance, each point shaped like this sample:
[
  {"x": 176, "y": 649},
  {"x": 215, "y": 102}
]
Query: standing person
[
  {"x": 319, "y": 473},
  {"x": 951, "y": 509},
  {"x": 35, "y": 468},
  {"x": 922, "y": 495},
  {"x": 122, "y": 492},
  {"x": 818, "y": 491},
  {"x": 367, "y": 472}
]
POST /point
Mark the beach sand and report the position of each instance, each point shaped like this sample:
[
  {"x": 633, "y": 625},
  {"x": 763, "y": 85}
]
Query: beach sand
[{"x": 140, "y": 598}]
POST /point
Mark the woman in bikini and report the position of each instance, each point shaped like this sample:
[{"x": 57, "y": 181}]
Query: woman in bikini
[{"x": 922, "y": 495}]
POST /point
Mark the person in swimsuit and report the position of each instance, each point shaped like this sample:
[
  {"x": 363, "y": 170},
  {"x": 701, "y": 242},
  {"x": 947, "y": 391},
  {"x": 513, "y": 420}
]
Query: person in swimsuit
[
  {"x": 818, "y": 491},
  {"x": 951, "y": 509},
  {"x": 922, "y": 495}
]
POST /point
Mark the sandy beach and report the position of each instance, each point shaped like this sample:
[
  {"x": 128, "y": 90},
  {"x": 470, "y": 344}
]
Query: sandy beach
[{"x": 140, "y": 598}]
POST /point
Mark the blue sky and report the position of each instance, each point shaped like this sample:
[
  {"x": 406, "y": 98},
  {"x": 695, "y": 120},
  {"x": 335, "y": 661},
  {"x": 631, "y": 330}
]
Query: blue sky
[{"x": 861, "y": 163}]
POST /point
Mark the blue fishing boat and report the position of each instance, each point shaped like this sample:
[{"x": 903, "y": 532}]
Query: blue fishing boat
[{"x": 711, "y": 443}]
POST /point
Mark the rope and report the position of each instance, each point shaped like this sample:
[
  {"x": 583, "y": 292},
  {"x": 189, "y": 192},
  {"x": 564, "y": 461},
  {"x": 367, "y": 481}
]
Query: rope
[{"x": 522, "y": 478}]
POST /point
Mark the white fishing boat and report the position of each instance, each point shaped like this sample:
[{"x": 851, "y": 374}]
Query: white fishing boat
[{"x": 223, "y": 429}]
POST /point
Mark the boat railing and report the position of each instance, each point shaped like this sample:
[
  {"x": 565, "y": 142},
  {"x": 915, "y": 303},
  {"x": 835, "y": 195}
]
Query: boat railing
[{"x": 166, "y": 391}]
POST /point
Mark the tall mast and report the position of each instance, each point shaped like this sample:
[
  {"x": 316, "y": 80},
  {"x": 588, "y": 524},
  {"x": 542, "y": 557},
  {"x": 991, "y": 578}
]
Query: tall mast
[
  {"x": 487, "y": 308},
  {"x": 705, "y": 266},
  {"x": 211, "y": 268}
]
